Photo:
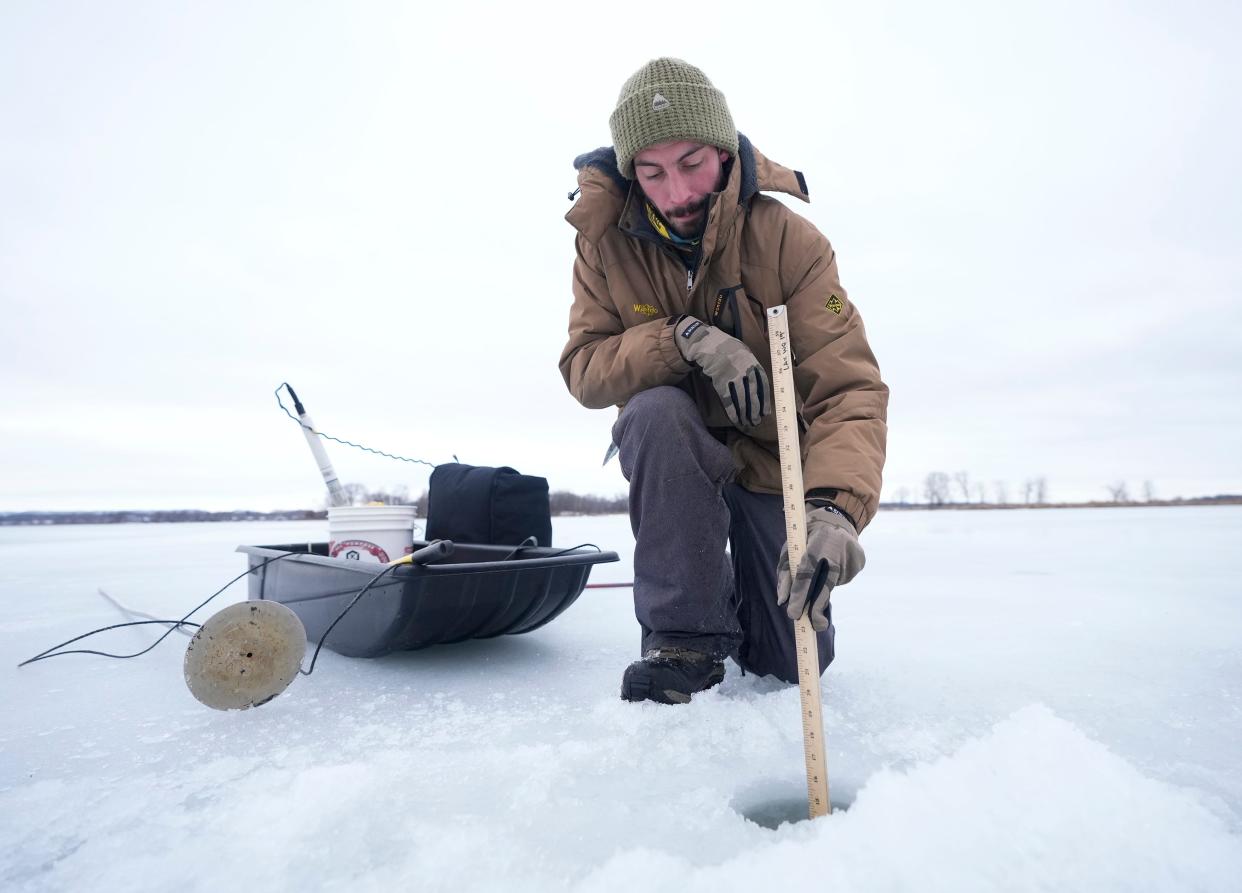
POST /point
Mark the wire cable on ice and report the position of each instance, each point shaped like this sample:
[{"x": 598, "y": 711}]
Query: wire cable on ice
[{"x": 172, "y": 625}]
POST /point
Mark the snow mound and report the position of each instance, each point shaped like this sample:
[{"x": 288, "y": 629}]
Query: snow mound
[
  {"x": 646, "y": 801},
  {"x": 1033, "y": 805}
]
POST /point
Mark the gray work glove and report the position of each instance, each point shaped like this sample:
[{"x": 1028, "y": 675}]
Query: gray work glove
[
  {"x": 734, "y": 372},
  {"x": 833, "y": 558}
]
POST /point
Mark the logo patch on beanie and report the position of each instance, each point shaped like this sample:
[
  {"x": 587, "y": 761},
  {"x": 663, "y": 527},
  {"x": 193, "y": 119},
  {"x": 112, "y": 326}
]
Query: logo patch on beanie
[{"x": 659, "y": 103}]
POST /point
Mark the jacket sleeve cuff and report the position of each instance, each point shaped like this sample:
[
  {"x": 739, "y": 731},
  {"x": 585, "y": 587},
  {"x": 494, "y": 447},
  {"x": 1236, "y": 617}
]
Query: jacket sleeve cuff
[
  {"x": 669, "y": 352},
  {"x": 831, "y": 506},
  {"x": 844, "y": 501}
]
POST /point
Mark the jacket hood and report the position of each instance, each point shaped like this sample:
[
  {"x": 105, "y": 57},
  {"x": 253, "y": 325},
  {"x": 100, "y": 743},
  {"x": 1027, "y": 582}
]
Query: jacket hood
[{"x": 604, "y": 189}]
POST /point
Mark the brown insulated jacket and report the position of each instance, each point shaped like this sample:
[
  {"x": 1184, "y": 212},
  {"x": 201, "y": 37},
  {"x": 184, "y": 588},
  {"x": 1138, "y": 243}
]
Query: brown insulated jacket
[{"x": 756, "y": 254}]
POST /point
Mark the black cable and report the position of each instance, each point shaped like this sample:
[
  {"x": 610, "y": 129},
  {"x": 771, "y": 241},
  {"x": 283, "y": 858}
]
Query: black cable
[
  {"x": 103, "y": 629},
  {"x": 184, "y": 621},
  {"x": 340, "y": 616},
  {"x": 529, "y": 543},
  {"x": 357, "y": 446},
  {"x": 55, "y": 651},
  {"x": 573, "y": 549}
]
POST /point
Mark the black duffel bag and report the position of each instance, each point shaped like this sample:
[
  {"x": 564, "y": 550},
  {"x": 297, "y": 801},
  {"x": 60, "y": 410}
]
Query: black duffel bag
[{"x": 492, "y": 506}]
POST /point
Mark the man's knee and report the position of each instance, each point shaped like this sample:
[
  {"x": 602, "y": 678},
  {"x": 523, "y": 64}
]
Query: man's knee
[
  {"x": 657, "y": 405},
  {"x": 663, "y": 426}
]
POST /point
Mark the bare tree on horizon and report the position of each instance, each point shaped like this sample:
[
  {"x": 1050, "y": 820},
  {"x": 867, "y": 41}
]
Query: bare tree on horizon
[
  {"x": 936, "y": 489},
  {"x": 962, "y": 479},
  {"x": 361, "y": 494}
]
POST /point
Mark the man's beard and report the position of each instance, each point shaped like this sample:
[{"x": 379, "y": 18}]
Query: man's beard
[{"x": 691, "y": 209}]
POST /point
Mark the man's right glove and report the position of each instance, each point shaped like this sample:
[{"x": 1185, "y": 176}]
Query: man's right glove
[
  {"x": 736, "y": 375},
  {"x": 833, "y": 557}
]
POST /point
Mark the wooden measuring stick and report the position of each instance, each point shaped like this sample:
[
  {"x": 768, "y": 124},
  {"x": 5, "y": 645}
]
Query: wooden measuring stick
[{"x": 795, "y": 533}]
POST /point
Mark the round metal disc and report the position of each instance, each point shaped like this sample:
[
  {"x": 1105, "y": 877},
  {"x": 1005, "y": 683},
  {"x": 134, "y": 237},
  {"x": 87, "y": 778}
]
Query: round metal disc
[{"x": 245, "y": 655}]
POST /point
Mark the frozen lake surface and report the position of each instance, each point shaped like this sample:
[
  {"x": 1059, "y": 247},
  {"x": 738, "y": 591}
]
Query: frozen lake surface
[{"x": 1021, "y": 701}]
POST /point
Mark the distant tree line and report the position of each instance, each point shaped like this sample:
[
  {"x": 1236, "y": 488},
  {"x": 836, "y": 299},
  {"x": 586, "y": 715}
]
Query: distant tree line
[
  {"x": 942, "y": 490},
  {"x": 361, "y": 494},
  {"x": 561, "y": 502},
  {"x": 565, "y": 503},
  {"x": 172, "y": 516}
]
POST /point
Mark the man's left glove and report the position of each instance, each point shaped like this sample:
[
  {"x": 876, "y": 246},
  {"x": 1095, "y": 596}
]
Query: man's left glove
[
  {"x": 833, "y": 558},
  {"x": 736, "y": 375}
]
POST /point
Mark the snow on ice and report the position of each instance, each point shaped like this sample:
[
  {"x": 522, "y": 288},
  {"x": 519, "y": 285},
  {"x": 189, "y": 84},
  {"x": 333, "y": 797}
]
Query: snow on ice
[{"x": 1021, "y": 701}]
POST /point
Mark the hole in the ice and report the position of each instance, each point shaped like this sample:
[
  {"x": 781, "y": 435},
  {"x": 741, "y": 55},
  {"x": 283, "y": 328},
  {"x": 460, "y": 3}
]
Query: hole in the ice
[{"x": 773, "y": 804}]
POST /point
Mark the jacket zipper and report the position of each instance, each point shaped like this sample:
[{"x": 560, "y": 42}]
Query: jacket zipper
[{"x": 663, "y": 246}]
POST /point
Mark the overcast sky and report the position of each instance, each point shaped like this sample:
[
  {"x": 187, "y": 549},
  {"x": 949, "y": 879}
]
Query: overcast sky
[{"x": 1037, "y": 209}]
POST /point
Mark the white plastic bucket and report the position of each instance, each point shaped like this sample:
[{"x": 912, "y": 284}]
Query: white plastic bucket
[{"x": 375, "y": 533}]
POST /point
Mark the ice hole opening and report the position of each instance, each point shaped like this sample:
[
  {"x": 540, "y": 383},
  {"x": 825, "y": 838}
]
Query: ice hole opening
[{"x": 771, "y": 804}]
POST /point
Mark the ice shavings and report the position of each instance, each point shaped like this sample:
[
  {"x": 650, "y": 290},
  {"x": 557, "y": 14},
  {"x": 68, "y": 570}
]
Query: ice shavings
[{"x": 1032, "y": 805}]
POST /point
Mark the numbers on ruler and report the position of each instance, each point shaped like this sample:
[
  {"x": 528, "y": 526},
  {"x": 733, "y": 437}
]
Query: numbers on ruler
[{"x": 790, "y": 463}]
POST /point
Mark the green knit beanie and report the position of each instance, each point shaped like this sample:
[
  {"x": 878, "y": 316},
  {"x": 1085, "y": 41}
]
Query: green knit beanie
[{"x": 665, "y": 101}]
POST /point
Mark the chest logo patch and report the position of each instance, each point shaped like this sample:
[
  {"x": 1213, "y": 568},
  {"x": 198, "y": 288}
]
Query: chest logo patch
[
  {"x": 646, "y": 310},
  {"x": 834, "y": 304}
]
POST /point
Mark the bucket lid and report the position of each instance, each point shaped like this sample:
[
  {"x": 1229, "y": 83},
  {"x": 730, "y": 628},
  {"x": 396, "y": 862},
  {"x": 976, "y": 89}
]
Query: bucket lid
[{"x": 373, "y": 511}]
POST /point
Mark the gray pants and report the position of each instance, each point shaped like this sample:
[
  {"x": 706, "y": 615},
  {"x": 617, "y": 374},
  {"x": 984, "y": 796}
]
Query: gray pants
[{"x": 683, "y": 509}]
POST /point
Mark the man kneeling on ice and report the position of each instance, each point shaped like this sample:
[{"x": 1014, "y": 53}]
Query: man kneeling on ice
[{"x": 678, "y": 256}]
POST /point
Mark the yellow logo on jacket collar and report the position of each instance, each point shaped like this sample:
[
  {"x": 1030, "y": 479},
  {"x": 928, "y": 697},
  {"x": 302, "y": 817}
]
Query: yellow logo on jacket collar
[
  {"x": 646, "y": 310},
  {"x": 834, "y": 304},
  {"x": 656, "y": 223}
]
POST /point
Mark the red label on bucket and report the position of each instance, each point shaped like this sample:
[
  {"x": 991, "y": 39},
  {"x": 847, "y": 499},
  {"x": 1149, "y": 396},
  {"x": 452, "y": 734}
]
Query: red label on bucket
[{"x": 354, "y": 549}]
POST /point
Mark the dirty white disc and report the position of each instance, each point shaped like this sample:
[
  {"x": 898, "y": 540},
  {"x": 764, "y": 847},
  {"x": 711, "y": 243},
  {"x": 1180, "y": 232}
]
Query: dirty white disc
[{"x": 245, "y": 655}]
